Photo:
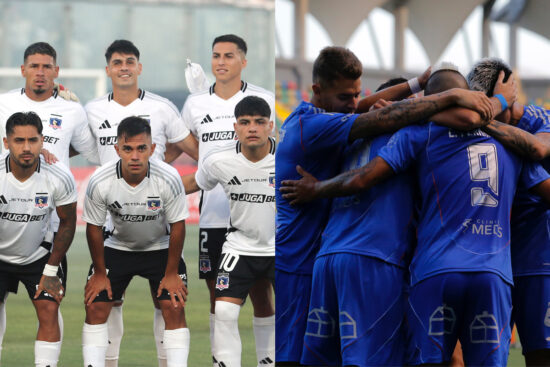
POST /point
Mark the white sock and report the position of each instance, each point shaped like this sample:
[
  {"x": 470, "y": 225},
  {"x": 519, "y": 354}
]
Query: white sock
[
  {"x": 95, "y": 339},
  {"x": 227, "y": 342},
  {"x": 176, "y": 344},
  {"x": 212, "y": 323},
  {"x": 158, "y": 331},
  {"x": 116, "y": 329},
  {"x": 2, "y": 322},
  {"x": 264, "y": 335},
  {"x": 46, "y": 354},
  {"x": 60, "y": 322}
]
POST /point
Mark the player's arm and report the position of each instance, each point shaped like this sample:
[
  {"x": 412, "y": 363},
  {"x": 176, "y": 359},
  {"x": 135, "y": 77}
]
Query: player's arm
[
  {"x": 520, "y": 141},
  {"x": 49, "y": 282},
  {"x": 308, "y": 188},
  {"x": 394, "y": 93},
  {"x": 172, "y": 281},
  {"x": 98, "y": 281},
  {"x": 403, "y": 113},
  {"x": 542, "y": 190},
  {"x": 190, "y": 183},
  {"x": 72, "y": 151},
  {"x": 50, "y": 158},
  {"x": 189, "y": 145}
]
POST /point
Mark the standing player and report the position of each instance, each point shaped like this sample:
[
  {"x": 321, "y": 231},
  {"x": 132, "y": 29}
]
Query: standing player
[
  {"x": 461, "y": 273},
  {"x": 314, "y": 136},
  {"x": 104, "y": 115},
  {"x": 210, "y": 117},
  {"x": 146, "y": 201},
  {"x": 30, "y": 191},
  {"x": 246, "y": 171}
]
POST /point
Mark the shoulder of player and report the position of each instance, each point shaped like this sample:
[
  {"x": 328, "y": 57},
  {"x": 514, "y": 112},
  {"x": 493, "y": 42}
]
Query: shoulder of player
[
  {"x": 97, "y": 101},
  {"x": 155, "y": 98},
  {"x": 221, "y": 154},
  {"x": 57, "y": 172},
  {"x": 103, "y": 174},
  {"x": 198, "y": 97},
  {"x": 162, "y": 171},
  {"x": 251, "y": 89}
]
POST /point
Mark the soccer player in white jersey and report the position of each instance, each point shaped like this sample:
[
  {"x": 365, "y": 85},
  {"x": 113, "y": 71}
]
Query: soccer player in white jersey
[
  {"x": 210, "y": 117},
  {"x": 146, "y": 201},
  {"x": 30, "y": 190},
  {"x": 104, "y": 115},
  {"x": 246, "y": 171}
]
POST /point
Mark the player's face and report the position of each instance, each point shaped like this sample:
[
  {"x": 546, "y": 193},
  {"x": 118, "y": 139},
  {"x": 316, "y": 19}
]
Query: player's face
[
  {"x": 24, "y": 145},
  {"x": 135, "y": 152},
  {"x": 253, "y": 131},
  {"x": 341, "y": 95},
  {"x": 227, "y": 61},
  {"x": 39, "y": 72},
  {"x": 123, "y": 69}
]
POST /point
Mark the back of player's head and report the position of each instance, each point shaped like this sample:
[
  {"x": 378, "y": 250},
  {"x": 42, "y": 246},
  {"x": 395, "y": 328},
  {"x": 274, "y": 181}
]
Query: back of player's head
[
  {"x": 391, "y": 82},
  {"x": 23, "y": 119},
  {"x": 484, "y": 74},
  {"x": 444, "y": 77},
  {"x": 252, "y": 106},
  {"x": 334, "y": 63},
  {"x": 241, "y": 44},
  {"x": 41, "y": 48},
  {"x": 124, "y": 47},
  {"x": 132, "y": 126}
]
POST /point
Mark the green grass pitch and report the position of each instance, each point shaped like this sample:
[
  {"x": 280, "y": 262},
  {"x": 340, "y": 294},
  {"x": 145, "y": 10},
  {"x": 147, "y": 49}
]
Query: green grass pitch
[{"x": 138, "y": 345}]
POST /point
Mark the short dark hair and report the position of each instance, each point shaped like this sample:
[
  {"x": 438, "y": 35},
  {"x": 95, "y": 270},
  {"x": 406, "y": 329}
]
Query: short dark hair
[
  {"x": 132, "y": 126},
  {"x": 334, "y": 63},
  {"x": 42, "y": 48},
  {"x": 23, "y": 119},
  {"x": 484, "y": 74},
  {"x": 390, "y": 83},
  {"x": 123, "y": 47},
  {"x": 252, "y": 106},
  {"x": 241, "y": 44},
  {"x": 443, "y": 80}
]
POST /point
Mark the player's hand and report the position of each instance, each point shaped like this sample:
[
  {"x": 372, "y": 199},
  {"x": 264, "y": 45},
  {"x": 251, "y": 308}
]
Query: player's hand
[
  {"x": 65, "y": 93},
  {"x": 381, "y": 103},
  {"x": 509, "y": 90},
  {"x": 52, "y": 286},
  {"x": 299, "y": 191},
  {"x": 95, "y": 285},
  {"x": 50, "y": 158},
  {"x": 175, "y": 286},
  {"x": 423, "y": 79},
  {"x": 476, "y": 101}
]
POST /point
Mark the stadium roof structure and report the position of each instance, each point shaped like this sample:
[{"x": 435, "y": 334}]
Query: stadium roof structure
[{"x": 264, "y": 4}]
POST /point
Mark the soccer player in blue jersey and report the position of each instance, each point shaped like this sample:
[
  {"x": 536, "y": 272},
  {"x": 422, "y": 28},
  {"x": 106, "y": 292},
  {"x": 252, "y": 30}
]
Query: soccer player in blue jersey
[
  {"x": 461, "y": 273},
  {"x": 314, "y": 136}
]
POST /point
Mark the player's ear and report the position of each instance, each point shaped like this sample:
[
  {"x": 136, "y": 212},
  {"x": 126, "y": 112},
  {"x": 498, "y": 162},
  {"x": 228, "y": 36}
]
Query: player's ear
[
  {"x": 139, "y": 68},
  {"x": 5, "y": 142},
  {"x": 117, "y": 149},
  {"x": 316, "y": 89},
  {"x": 56, "y": 71},
  {"x": 153, "y": 146},
  {"x": 23, "y": 71},
  {"x": 244, "y": 62}
]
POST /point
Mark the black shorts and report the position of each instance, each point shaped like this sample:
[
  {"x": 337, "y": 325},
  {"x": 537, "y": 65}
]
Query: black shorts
[
  {"x": 123, "y": 265},
  {"x": 29, "y": 275},
  {"x": 210, "y": 248},
  {"x": 238, "y": 273}
]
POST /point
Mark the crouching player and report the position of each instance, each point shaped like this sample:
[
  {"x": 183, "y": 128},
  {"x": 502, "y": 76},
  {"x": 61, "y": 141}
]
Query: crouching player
[
  {"x": 146, "y": 201},
  {"x": 247, "y": 172}
]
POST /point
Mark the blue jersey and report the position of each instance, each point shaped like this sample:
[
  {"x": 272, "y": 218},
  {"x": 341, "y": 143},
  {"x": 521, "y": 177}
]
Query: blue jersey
[
  {"x": 467, "y": 182},
  {"x": 315, "y": 140},
  {"x": 530, "y": 215},
  {"x": 378, "y": 222}
]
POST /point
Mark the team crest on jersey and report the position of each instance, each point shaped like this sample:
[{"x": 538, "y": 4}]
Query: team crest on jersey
[
  {"x": 222, "y": 282},
  {"x": 204, "y": 265},
  {"x": 55, "y": 123},
  {"x": 272, "y": 179},
  {"x": 153, "y": 204},
  {"x": 41, "y": 201}
]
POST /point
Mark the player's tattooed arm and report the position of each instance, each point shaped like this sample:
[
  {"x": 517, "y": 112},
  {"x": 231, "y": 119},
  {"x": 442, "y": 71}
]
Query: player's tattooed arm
[
  {"x": 172, "y": 282},
  {"x": 403, "y": 113},
  {"x": 520, "y": 141},
  {"x": 99, "y": 281},
  {"x": 308, "y": 188}
]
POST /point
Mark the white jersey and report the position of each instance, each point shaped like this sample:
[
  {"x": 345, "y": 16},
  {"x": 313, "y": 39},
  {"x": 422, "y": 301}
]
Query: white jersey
[
  {"x": 210, "y": 119},
  {"x": 105, "y": 114},
  {"x": 141, "y": 215},
  {"x": 64, "y": 123},
  {"x": 250, "y": 187},
  {"x": 25, "y": 208}
]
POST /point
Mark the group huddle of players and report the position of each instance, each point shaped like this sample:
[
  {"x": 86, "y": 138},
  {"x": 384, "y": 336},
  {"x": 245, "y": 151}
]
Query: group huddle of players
[
  {"x": 407, "y": 224},
  {"x": 135, "y": 203}
]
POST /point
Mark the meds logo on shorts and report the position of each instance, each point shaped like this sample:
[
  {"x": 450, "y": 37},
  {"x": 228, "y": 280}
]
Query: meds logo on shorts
[
  {"x": 55, "y": 123},
  {"x": 204, "y": 265},
  {"x": 153, "y": 203},
  {"x": 223, "y": 281},
  {"x": 41, "y": 200}
]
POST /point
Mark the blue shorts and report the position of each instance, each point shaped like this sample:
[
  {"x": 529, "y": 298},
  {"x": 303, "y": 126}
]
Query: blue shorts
[
  {"x": 356, "y": 313},
  {"x": 531, "y": 300},
  {"x": 291, "y": 305},
  {"x": 472, "y": 307}
]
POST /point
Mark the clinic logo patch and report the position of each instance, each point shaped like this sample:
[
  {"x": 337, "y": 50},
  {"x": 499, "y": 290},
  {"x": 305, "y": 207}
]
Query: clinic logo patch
[
  {"x": 41, "y": 200},
  {"x": 55, "y": 123},
  {"x": 222, "y": 282},
  {"x": 204, "y": 265},
  {"x": 153, "y": 203}
]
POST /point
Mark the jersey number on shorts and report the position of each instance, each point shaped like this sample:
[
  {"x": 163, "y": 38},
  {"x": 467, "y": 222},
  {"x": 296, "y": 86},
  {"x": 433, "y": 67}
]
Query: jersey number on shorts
[
  {"x": 229, "y": 261},
  {"x": 204, "y": 238},
  {"x": 483, "y": 162}
]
